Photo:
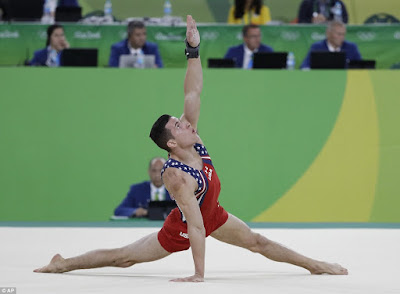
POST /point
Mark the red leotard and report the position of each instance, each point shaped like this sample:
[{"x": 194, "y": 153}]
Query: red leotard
[{"x": 173, "y": 235}]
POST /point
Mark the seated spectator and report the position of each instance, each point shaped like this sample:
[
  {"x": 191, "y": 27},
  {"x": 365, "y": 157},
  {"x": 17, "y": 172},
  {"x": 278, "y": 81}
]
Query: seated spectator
[
  {"x": 334, "y": 42},
  {"x": 137, "y": 200},
  {"x": 135, "y": 44},
  {"x": 55, "y": 44},
  {"x": 249, "y": 12},
  {"x": 320, "y": 11},
  {"x": 243, "y": 54},
  {"x": 4, "y": 10}
]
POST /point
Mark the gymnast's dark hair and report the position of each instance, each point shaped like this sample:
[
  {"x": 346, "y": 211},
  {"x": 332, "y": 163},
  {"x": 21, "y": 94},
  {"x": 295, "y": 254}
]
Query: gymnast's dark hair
[
  {"x": 159, "y": 134},
  {"x": 50, "y": 31},
  {"x": 239, "y": 7}
]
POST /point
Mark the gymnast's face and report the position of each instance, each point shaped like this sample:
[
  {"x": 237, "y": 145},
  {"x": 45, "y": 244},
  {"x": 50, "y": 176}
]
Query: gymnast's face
[{"x": 184, "y": 134}]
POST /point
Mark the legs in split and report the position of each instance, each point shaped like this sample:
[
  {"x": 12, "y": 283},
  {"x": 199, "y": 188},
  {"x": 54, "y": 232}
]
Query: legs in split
[
  {"x": 144, "y": 250},
  {"x": 237, "y": 233}
]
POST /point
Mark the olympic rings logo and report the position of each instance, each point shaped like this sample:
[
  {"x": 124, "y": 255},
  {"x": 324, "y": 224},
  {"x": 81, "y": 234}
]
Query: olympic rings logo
[
  {"x": 290, "y": 36},
  {"x": 366, "y": 36},
  {"x": 316, "y": 36},
  {"x": 210, "y": 36}
]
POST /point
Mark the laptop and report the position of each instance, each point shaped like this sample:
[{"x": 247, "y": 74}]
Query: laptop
[
  {"x": 362, "y": 64},
  {"x": 221, "y": 63},
  {"x": 68, "y": 14},
  {"x": 25, "y": 10},
  {"x": 275, "y": 60},
  {"x": 86, "y": 57},
  {"x": 125, "y": 61},
  {"x": 328, "y": 60},
  {"x": 159, "y": 210}
]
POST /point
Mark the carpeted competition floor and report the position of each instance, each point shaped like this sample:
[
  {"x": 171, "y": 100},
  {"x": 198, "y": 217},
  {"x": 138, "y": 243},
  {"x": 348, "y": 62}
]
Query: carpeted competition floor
[{"x": 371, "y": 256}]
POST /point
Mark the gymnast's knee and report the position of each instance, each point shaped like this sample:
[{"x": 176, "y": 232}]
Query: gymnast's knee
[
  {"x": 121, "y": 258},
  {"x": 257, "y": 242}
]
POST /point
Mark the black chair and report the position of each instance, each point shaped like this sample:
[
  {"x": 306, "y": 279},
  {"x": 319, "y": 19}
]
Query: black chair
[
  {"x": 68, "y": 14},
  {"x": 220, "y": 63},
  {"x": 25, "y": 10}
]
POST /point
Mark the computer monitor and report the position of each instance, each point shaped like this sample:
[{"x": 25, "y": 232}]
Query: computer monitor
[
  {"x": 221, "y": 63},
  {"x": 159, "y": 210},
  {"x": 328, "y": 60},
  {"x": 68, "y": 14},
  {"x": 149, "y": 61},
  {"x": 276, "y": 60},
  {"x": 86, "y": 57},
  {"x": 362, "y": 64},
  {"x": 25, "y": 10}
]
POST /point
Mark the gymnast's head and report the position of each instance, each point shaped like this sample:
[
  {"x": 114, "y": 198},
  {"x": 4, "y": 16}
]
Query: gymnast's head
[
  {"x": 160, "y": 134},
  {"x": 171, "y": 133}
]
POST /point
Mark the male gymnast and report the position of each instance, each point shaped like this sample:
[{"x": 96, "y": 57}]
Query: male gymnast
[{"x": 191, "y": 179}]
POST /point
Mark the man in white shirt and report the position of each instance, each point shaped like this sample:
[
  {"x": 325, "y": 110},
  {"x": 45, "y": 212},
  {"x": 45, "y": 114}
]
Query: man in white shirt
[
  {"x": 334, "y": 42},
  {"x": 136, "y": 43},
  {"x": 243, "y": 54}
]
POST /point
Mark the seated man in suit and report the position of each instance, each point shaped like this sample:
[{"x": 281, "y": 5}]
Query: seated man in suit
[
  {"x": 334, "y": 42},
  {"x": 55, "y": 44},
  {"x": 243, "y": 54},
  {"x": 137, "y": 200},
  {"x": 135, "y": 44}
]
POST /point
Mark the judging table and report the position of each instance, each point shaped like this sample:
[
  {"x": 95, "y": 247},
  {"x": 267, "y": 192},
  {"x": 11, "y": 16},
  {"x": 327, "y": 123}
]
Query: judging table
[{"x": 18, "y": 41}]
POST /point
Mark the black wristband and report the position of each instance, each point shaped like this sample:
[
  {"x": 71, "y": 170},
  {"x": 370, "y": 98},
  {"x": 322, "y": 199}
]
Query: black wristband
[{"x": 191, "y": 52}]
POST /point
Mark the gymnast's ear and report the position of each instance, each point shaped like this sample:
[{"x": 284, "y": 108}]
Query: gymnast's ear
[{"x": 171, "y": 144}]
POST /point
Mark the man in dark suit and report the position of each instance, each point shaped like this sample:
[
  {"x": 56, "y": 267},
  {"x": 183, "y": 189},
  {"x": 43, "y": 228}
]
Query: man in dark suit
[
  {"x": 243, "y": 53},
  {"x": 320, "y": 11},
  {"x": 137, "y": 200},
  {"x": 135, "y": 44},
  {"x": 334, "y": 42}
]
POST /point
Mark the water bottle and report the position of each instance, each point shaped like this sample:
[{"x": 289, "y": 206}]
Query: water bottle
[
  {"x": 337, "y": 11},
  {"x": 48, "y": 17},
  {"x": 291, "y": 61},
  {"x": 139, "y": 60},
  {"x": 167, "y": 8},
  {"x": 108, "y": 11}
]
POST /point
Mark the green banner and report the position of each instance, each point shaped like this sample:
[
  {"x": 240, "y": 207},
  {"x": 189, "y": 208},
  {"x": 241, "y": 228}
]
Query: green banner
[
  {"x": 288, "y": 146},
  {"x": 19, "y": 41}
]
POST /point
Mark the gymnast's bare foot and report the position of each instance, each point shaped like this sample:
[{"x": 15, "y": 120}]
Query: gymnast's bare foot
[
  {"x": 328, "y": 268},
  {"x": 56, "y": 265}
]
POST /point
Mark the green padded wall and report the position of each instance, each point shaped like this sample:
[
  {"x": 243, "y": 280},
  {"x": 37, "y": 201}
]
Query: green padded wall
[{"x": 317, "y": 146}]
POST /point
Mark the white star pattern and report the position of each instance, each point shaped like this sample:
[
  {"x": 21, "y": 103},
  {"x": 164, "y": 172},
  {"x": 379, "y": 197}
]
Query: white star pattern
[{"x": 196, "y": 174}]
